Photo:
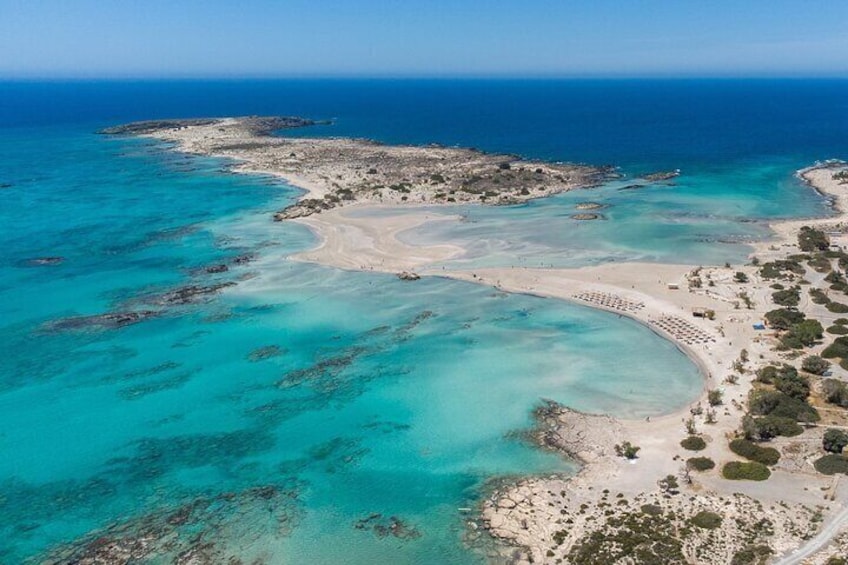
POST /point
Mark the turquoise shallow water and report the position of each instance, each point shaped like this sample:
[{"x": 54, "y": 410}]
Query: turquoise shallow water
[
  {"x": 378, "y": 396},
  {"x": 291, "y": 416},
  {"x": 707, "y": 216}
]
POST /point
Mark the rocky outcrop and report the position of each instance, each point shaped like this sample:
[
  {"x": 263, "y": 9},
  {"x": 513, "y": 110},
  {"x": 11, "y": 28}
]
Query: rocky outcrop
[
  {"x": 303, "y": 208},
  {"x": 585, "y": 437},
  {"x": 661, "y": 175},
  {"x": 408, "y": 276}
]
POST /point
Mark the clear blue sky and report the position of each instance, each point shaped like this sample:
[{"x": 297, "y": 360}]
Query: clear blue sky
[{"x": 215, "y": 38}]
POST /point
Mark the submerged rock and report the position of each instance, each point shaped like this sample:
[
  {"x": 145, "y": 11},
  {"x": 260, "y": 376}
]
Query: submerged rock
[
  {"x": 586, "y": 216},
  {"x": 213, "y": 269},
  {"x": 111, "y": 320},
  {"x": 384, "y": 527},
  {"x": 188, "y": 294},
  {"x": 44, "y": 261},
  {"x": 243, "y": 259},
  {"x": 632, "y": 187},
  {"x": 203, "y": 531},
  {"x": 263, "y": 353}
]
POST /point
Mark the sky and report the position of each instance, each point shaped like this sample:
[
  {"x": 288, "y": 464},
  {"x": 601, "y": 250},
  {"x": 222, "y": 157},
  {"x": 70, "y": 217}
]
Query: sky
[{"x": 430, "y": 38}]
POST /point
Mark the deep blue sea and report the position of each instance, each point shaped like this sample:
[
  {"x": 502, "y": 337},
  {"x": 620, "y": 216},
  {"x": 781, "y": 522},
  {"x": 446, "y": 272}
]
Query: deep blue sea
[{"x": 303, "y": 414}]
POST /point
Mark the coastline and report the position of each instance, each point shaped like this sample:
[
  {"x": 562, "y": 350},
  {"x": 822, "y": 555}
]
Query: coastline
[{"x": 513, "y": 515}]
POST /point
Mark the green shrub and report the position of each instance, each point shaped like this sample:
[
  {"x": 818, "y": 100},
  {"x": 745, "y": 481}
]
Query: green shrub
[
  {"x": 834, "y": 440},
  {"x": 835, "y": 278},
  {"x": 714, "y": 397},
  {"x": 652, "y": 509},
  {"x": 700, "y": 463},
  {"x": 781, "y": 269},
  {"x": 815, "y": 365},
  {"x": 839, "y": 348},
  {"x": 789, "y": 297},
  {"x": 706, "y": 520},
  {"x": 745, "y": 471},
  {"x": 837, "y": 307},
  {"x": 837, "y": 330},
  {"x": 767, "y": 374},
  {"x": 818, "y": 296},
  {"x": 802, "y": 334},
  {"x": 841, "y": 321},
  {"x": 772, "y": 426},
  {"x": 752, "y": 555},
  {"x": 776, "y": 403},
  {"x": 831, "y": 464},
  {"x": 693, "y": 443},
  {"x": 820, "y": 263},
  {"x": 752, "y": 451}
]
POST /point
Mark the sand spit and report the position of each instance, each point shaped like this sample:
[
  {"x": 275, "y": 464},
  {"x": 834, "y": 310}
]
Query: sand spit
[{"x": 338, "y": 172}]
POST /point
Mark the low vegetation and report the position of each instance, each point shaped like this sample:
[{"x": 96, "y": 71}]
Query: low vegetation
[
  {"x": 753, "y": 452},
  {"x": 811, "y": 239},
  {"x": 700, "y": 463},
  {"x": 835, "y": 392},
  {"x": 745, "y": 471},
  {"x": 789, "y": 297},
  {"x": 782, "y": 405},
  {"x": 834, "y": 440},
  {"x": 769, "y": 427},
  {"x": 706, "y": 520},
  {"x": 831, "y": 464},
  {"x": 693, "y": 443},
  {"x": 752, "y": 555},
  {"x": 815, "y": 365}
]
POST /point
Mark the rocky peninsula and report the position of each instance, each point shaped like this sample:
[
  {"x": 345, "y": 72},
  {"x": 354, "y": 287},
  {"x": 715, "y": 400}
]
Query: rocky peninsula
[{"x": 338, "y": 172}]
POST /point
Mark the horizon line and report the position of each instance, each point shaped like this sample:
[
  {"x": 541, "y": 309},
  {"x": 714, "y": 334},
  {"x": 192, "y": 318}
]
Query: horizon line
[{"x": 414, "y": 76}]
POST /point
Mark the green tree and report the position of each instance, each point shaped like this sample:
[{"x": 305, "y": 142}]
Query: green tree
[
  {"x": 626, "y": 450},
  {"x": 811, "y": 239},
  {"x": 784, "y": 318}
]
